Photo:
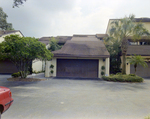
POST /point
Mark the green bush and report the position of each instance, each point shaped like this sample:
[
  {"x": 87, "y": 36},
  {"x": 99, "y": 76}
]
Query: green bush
[
  {"x": 112, "y": 74},
  {"x": 119, "y": 73},
  {"x": 52, "y": 66},
  {"x": 123, "y": 78},
  {"x": 52, "y": 71},
  {"x": 102, "y": 73},
  {"x": 15, "y": 75},
  {"x": 132, "y": 75},
  {"x": 103, "y": 67}
]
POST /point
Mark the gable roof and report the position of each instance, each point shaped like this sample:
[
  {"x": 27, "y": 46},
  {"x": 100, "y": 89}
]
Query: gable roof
[
  {"x": 9, "y": 32},
  {"x": 61, "y": 39},
  {"x": 84, "y": 38},
  {"x": 143, "y": 50},
  {"x": 101, "y": 35},
  {"x": 64, "y": 39},
  {"x": 83, "y": 47}
]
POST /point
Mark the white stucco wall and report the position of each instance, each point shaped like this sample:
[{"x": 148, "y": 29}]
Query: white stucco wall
[
  {"x": 101, "y": 63},
  {"x": 107, "y": 66},
  {"x": 48, "y": 69},
  {"x": 54, "y": 62},
  {"x": 15, "y": 33},
  {"x": 43, "y": 65},
  {"x": 37, "y": 65},
  {"x": 146, "y": 25}
]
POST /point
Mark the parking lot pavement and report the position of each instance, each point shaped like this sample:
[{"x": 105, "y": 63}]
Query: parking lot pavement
[{"x": 77, "y": 99}]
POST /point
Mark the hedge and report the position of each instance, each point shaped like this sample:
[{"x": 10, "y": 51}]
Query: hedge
[
  {"x": 123, "y": 78},
  {"x": 15, "y": 75}
]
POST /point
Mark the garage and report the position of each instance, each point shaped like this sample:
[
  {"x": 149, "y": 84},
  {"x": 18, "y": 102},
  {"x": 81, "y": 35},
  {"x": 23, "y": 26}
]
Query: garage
[
  {"x": 80, "y": 57},
  {"x": 7, "y": 67},
  {"x": 81, "y": 68},
  {"x": 141, "y": 71},
  {"x": 142, "y": 50}
]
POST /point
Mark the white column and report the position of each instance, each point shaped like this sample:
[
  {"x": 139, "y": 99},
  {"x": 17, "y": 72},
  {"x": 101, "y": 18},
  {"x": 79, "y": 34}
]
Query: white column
[
  {"x": 107, "y": 66},
  {"x": 47, "y": 69},
  {"x": 99, "y": 68},
  {"x": 128, "y": 68}
]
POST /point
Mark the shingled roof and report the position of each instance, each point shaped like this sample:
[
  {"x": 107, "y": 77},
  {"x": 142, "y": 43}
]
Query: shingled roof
[
  {"x": 8, "y": 32},
  {"x": 100, "y": 36},
  {"x": 83, "y": 47},
  {"x": 143, "y": 50},
  {"x": 142, "y": 19},
  {"x": 61, "y": 39},
  {"x": 64, "y": 39}
]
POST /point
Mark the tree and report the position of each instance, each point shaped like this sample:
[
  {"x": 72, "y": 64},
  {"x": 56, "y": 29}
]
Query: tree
[
  {"x": 3, "y": 22},
  {"x": 122, "y": 29},
  {"x": 114, "y": 48},
  {"x": 53, "y": 43},
  {"x": 137, "y": 60},
  {"x": 18, "y": 2},
  {"x": 22, "y": 51}
]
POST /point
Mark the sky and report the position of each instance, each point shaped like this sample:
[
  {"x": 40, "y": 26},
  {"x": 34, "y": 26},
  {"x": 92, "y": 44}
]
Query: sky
[{"x": 42, "y": 18}]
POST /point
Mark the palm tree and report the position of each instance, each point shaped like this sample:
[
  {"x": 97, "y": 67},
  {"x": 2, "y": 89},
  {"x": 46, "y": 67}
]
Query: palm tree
[
  {"x": 113, "y": 47},
  {"x": 122, "y": 29},
  {"x": 137, "y": 60}
]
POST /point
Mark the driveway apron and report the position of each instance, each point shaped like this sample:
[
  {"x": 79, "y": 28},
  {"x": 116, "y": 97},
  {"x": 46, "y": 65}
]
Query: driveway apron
[{"x": 77, "y": 99}]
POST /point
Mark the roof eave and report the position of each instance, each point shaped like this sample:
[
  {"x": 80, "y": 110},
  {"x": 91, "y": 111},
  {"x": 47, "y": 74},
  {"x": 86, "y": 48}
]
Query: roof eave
[
  {"x": 138, "y": 54},
  {"x": 81, "y": 56}
]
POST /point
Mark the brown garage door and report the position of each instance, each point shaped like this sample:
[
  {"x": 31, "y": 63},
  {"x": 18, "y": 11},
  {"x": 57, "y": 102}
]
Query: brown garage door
[
  {"x": 7, "y": 67},
  {"x": 143, "y": 72},
  {"x": 83, "y": 68}
]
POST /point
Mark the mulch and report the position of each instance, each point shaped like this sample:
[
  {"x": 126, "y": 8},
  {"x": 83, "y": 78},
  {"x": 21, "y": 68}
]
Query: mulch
[{"x": 25, "y": 79}]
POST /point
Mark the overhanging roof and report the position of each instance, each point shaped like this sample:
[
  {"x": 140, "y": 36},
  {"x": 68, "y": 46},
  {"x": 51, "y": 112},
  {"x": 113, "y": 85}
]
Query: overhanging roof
[
  {"x": 61, "y": 39},
  {"x": 143, "y": 50},
  {"x": 83, "y": 47},
  {"x": 9, "y": 32}
]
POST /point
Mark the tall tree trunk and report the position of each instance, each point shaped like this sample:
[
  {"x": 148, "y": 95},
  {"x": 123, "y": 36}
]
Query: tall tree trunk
[
  {"x": 135, "y": 68},
  {"x": 124, "y": 47},
  {"x": 123, "y": 63}
]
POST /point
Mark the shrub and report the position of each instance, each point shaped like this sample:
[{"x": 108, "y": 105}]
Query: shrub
[
  {"x": 123, "y": 78},
  {"x": 52, "y": 71},
  {"x": 132, "y": 75},
  {"x": 15, "y": 75},
  {"x": 52, "y": 66},
  {"x": 102, "y": 73},
  {"x": 103, "y": 67},
  {"x": 119, "y": 73},
  {"x": 112, "y": 74}
]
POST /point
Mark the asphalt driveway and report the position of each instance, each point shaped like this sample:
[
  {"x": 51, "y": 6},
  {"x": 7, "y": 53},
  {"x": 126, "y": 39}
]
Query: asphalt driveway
[{"x": 77, "y": 99}]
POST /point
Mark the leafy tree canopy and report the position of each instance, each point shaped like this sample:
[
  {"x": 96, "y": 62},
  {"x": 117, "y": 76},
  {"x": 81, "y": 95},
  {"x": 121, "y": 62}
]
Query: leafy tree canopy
[
  {"x": 122, "y": 29},
  {"x": 3, "y": 22},
  {"x": 22, "y": 51},
  {"x": 53, "y": 43},
  {"x": 114, "y": 48}
]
